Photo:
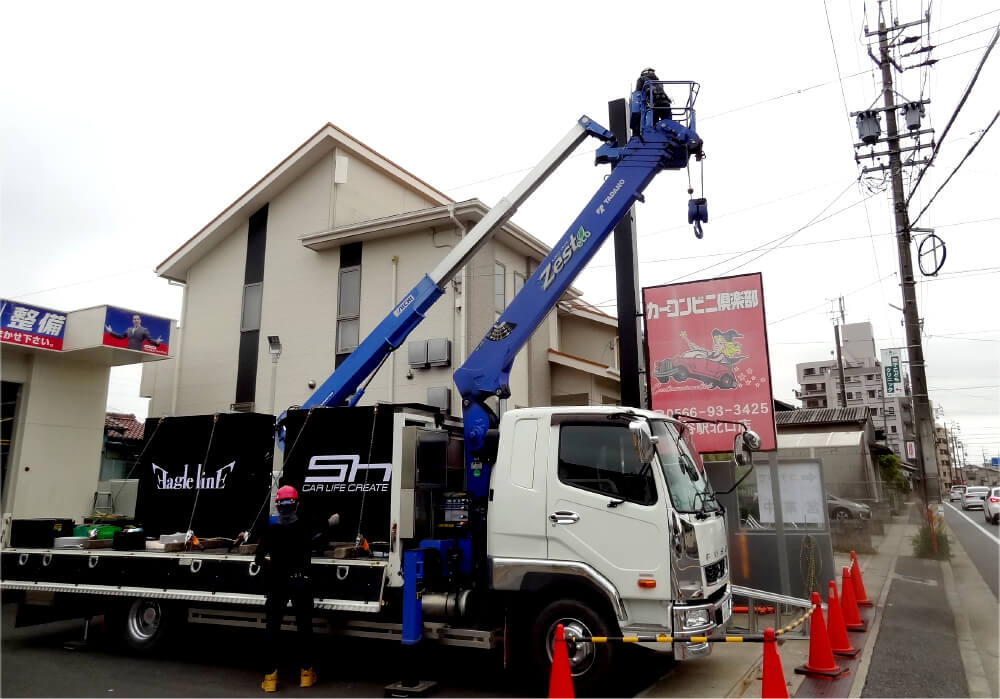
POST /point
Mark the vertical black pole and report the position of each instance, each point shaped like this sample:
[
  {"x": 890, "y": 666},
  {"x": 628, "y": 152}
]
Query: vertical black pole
[{"x": 632, "y": 370}]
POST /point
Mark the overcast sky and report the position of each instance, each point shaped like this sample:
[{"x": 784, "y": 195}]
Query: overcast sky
[{"x": 127, "y": 126}]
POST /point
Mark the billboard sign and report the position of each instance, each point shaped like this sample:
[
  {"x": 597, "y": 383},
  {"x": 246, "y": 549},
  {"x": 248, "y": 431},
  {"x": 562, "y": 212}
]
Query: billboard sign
[
  {"x": 892, "y": 373},
  {"x": 706, "y": 344},
  {"x": 135, "y": 331},
  {"x": 32, "y": 326}
]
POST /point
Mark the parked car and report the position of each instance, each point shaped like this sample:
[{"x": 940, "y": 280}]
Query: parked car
[
  {"x": 957, "y": 493},
  {"x": 991, "y": 506},
  {"x": 974, "y": 497},
  {"x": 842, "y": 509}
]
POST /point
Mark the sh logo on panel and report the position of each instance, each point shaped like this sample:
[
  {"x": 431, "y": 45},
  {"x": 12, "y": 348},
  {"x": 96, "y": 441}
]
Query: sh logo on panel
[{"x": 338, "y": 473}]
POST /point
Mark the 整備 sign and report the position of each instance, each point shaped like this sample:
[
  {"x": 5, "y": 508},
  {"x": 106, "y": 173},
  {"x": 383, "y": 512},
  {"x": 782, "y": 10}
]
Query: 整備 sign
[{"x": 32, "y": 326}]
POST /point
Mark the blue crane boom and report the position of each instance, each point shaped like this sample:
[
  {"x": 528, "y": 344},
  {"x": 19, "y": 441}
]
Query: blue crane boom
[{"x": 666, "y": 144}]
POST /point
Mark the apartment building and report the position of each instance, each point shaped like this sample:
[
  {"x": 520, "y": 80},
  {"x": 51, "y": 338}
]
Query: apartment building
[
  {"x": 820, "y": 387},
  {"x": 945, "y": 462}
]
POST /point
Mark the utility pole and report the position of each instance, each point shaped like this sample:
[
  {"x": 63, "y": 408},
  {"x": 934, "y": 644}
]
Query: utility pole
[
  {"x": 840, "y": 358},
  {"x": 911, "y": 317}
]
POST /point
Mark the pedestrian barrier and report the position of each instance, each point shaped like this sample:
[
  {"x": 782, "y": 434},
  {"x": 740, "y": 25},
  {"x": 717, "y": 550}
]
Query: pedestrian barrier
[
  {"x": 835, "y": 626},
  {"x": 848, "y": 605},
  {"x": 820, "y": 662},
  {"x": 860, "y": 595}
]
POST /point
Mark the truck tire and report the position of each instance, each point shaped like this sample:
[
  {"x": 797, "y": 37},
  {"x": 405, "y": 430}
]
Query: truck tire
[
  {"x": 590, "y": 663},
  {"x": 143, "y": 624}
]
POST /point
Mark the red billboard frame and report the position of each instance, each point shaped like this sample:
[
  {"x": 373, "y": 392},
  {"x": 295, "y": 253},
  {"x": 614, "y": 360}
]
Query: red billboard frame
[{"x": 707, "y": 357}]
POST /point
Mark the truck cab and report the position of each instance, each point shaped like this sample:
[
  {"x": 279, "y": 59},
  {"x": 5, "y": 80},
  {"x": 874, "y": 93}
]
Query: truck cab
[{"x": 574, "y": 508}]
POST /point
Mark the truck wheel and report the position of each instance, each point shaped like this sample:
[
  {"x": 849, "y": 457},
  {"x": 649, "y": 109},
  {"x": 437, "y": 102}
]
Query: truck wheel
[
  {"x": 589, "y": 663},
  {"x": 143, "y": 623}
]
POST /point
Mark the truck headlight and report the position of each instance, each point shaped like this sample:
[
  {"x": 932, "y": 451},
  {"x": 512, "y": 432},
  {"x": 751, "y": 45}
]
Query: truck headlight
[{"x": 695, "y": 618}]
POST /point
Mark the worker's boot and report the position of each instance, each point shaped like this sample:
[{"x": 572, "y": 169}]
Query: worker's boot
[
  {"x": 307, "y": 678},
  {"x": 270, "y": 683}
]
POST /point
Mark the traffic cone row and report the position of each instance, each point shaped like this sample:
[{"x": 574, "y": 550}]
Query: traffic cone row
[{"x": 827, "y": 640}]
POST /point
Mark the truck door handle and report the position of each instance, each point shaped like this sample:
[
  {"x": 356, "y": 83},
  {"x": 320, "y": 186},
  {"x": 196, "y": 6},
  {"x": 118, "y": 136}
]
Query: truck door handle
[{"x": 564, "y": 517}]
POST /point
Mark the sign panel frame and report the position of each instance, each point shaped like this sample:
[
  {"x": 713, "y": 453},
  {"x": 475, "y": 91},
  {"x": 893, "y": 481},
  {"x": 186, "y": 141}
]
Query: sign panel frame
[{"x": 707, "y": 357}]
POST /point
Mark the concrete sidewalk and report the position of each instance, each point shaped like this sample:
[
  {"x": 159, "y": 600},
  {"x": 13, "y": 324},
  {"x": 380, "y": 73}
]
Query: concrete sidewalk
[{"x": 924, "y": 638}]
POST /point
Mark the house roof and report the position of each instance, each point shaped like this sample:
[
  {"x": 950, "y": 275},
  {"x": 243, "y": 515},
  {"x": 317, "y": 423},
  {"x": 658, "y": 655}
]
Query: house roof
[
  {"x": 124, "y": 425},
  {"x": 327, "y": 139},
  {"x": 821, "y": 416}
]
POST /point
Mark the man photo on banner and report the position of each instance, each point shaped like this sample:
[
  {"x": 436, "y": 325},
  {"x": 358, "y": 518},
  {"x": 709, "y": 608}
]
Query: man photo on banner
[{"x": 136, "y": 334}]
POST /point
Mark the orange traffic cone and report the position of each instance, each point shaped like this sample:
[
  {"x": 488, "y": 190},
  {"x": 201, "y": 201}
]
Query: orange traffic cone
[
  {"x": 560, "y": 679},
  {"x": 848, "y": 605},
  {"x": 820, "y": 662},
  {"x": 836, "y": 630},
  {"x": 860, "y": 596},
  {"x": 773, "y": 682}
]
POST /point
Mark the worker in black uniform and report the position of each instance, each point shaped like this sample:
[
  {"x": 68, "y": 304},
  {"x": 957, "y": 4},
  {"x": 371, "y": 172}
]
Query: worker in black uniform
[
  {"x": 661, "y": 102},
  {"x": 286, "y": 549}
]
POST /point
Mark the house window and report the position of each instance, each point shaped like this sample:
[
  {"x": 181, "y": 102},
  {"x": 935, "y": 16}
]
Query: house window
[
  {"x": 874, "y": 411},
  {"x": 810, "y": 371},
  {"x": 871, "y": 394},
  {"x": 519, "y": 280},
  {"x": 348, "y": 309},
  {"x": 892, "y": 428},
  {"x": 253, "y": 294},
  {"x": 499, "y": 287}
]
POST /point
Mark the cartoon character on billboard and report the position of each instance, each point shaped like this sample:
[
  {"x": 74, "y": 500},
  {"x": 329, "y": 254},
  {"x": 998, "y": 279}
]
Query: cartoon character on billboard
[
  {"x": 136, "y": 334},
  {"x": 711, "y": 366}
]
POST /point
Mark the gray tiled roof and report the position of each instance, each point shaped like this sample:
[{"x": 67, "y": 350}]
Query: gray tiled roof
[{"x": 821, "y": 416}]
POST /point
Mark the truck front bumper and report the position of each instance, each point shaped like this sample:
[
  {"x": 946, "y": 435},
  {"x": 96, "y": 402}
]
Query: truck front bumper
[{"x": 700, "y": 620}]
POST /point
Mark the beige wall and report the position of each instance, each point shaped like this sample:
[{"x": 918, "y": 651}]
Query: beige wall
[
  {"x": 587, "y": 340},
  {"x": 58, "y": 434}
]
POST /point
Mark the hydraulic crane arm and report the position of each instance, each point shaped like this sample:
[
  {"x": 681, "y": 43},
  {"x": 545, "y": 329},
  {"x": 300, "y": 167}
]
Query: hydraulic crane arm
[
  {"x": 346, "y": 382},
  {"x": 657, "y": 145}
]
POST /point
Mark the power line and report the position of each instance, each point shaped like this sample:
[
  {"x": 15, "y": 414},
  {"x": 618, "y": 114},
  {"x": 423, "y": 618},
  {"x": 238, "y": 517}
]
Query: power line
[
  {"x": 962, "y": 162},
  {"x": 961, "y": 103}
]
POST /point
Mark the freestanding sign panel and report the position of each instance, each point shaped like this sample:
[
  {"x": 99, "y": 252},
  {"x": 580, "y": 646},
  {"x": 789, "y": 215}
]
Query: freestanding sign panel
[
  {"x": 340, "y": 460},
  {"x": 892, "y": 373},
  {"x": 135, "y": 331},
  {"x": 33, "y": 326},
  {"x": 209, "y": 472},
  {"x": 706, "y": 344}
]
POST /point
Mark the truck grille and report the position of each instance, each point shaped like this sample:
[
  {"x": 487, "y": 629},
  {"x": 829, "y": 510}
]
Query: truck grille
[{"x": 715, "y": 571}]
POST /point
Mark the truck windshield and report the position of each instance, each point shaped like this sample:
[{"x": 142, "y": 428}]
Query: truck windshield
[{"x": 683, "y": 470}]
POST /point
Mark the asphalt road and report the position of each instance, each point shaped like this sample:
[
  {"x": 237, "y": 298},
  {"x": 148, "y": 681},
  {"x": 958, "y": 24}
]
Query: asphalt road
[
  {"x": 980, "y": 540},
  {"x": 208, "y": 661}
]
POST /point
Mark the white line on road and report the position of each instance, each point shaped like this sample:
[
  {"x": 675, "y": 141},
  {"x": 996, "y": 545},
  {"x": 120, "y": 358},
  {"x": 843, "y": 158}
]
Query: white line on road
[{"x": 973, "y": 522}]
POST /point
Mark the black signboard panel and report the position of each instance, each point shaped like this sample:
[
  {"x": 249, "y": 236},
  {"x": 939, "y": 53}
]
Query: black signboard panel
[
  {"x": 340, "y": 461},
  {"x": 212, "y": 472}
]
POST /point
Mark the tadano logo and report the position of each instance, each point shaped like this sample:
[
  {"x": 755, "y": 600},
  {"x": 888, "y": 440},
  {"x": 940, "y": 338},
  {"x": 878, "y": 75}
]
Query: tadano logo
[
  {"x": 339, "y": 473},
  {"x": 200, "y": 481}
]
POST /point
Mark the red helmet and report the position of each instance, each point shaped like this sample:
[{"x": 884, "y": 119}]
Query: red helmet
[{"x": 286, "y": 492}]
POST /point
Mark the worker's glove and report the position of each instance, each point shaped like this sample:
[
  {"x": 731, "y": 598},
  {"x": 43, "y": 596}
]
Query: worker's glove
[{"x": 334, "y": 520}]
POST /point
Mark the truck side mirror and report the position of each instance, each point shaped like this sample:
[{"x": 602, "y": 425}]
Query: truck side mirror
[
  {"x": 743, "y": 447},
  {"x": 643, "y": 440}
]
